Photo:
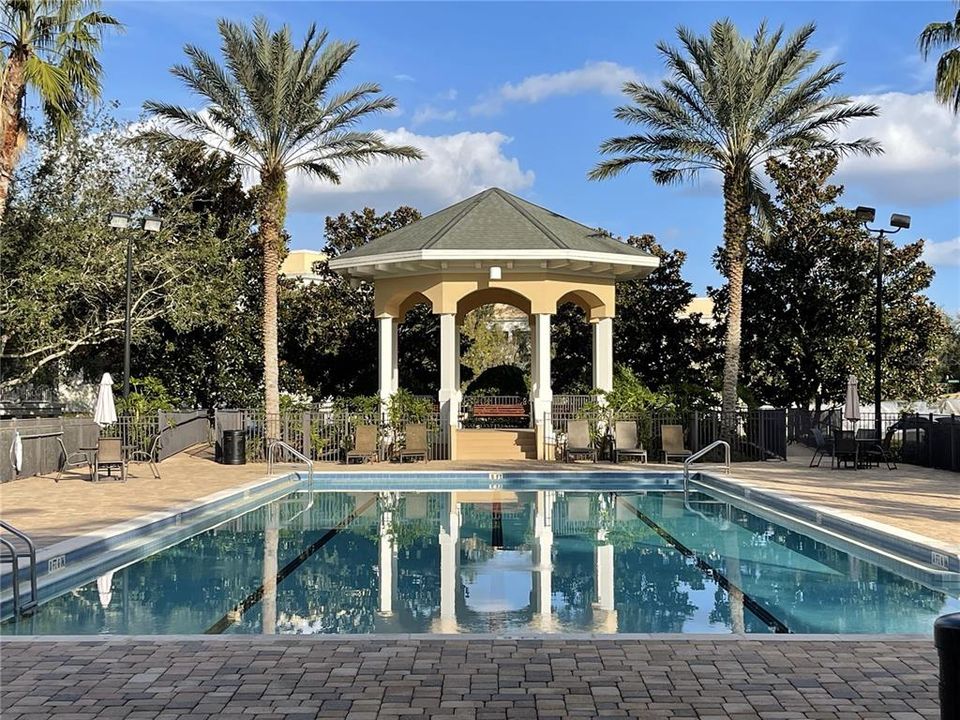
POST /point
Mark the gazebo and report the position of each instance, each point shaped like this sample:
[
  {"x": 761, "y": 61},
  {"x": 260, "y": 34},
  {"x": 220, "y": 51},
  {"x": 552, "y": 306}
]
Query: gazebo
[{"x": 494, "y": 247}]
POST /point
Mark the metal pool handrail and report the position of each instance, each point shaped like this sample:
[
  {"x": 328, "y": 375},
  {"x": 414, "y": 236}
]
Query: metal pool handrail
[
  {"x": 20, "y": 607},
  {"x": 274, "y": 444},
  {"x": 699, "y": 454}
]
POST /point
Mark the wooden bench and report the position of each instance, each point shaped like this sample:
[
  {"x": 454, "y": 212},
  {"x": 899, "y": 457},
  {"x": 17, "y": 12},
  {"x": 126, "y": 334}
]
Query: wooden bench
[{"x": 494, "y": 411}]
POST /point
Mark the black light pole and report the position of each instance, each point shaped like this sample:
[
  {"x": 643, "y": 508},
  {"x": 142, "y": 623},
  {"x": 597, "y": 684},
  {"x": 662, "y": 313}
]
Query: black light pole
[
  {"x": 899, "y": 222},
  {"x": 121, "y": 221}
]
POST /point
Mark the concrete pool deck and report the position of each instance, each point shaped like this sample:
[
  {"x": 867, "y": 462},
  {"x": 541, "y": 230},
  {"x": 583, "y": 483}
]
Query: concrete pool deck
[
  {"x": 915, "y": 499},
  {"x": 469, "y": 678}
]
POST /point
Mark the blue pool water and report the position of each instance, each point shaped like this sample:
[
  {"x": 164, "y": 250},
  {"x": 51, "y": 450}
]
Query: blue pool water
[{"x": 496, "y": 561}]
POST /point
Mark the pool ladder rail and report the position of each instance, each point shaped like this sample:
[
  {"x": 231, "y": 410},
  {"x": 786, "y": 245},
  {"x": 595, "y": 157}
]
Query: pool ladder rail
[
  {"x": 699, "y": 454},
  {"x": 280, "y": 444},
  {"x": 20, "y": 607}
]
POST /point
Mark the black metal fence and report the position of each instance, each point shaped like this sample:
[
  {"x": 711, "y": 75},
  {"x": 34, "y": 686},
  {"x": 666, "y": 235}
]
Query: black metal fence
[
  {"x": 927, "y": 440},
  {"x": 755, "y": 434},
  {"x": 327, "y": 436}
]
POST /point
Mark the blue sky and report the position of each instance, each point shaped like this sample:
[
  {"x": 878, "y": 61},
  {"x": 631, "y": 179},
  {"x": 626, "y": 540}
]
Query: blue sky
[{"x": 520, "y": 95}]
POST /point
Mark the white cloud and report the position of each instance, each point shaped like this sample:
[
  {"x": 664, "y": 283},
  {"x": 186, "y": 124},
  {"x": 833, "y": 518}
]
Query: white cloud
[
  {"x": 403, "y": 77},
  {"x": 943, "y": 254},
  {"x": 426, "y": 113},
  {"x": 456, "y": 166},
  {"x": 921, "y": 160},
  {"x": 595, "y": 76}
]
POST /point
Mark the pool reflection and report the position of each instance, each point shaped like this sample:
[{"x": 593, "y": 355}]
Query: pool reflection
[{"x": 494, "y": 561}]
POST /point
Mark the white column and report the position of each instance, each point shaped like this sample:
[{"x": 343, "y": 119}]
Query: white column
[
  {"x": 387, "y": 361},
  {"x": 543, "y": 397},
  {"x": 387, "y": 565},
  {"x": 543, "y": 560},
  {"x": 603, "y": 354},
  {"x": 541, "y": 372},
  {"x": 449, "y": 559},
  {"x": 449, "y": 395},
  {"x": 605, "y": 615},
  {"x": 395, "y": 362},
  {"x": 456, "y": 366}
]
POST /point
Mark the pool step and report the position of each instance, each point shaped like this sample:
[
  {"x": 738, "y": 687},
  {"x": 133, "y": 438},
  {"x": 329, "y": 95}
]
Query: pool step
[{"x": 496, "y": 444}]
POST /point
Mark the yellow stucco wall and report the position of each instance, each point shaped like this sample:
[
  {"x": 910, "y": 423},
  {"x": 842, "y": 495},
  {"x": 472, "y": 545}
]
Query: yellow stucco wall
[{"x": 458, "y": 293}]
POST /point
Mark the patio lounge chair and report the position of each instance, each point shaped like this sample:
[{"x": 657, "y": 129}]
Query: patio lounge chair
[
  {"x": 415, "y": 442},
  {"x": 671, "y": 442},
  {"x": 823, "y": 448},
  {"x": 364, "y": 444},
  {"x": 625, "y": 433},
  {"x": 109, "y": 456},
  {"x": 70, "y": 460},
  {"x": 578, "y": 441}
]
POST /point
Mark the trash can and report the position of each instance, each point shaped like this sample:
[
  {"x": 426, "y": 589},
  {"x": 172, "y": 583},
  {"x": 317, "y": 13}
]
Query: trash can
[
  {"x": 233, "y": 447},
  {"x": 946, "y": 638}
]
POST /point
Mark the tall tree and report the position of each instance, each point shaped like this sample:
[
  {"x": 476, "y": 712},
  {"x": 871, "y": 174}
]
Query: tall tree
[
  {"x": 62, "y": 285},
  {"x": 810, "y": 287},
  {"x": 271, "y": 106},
  {"x": 330, "y": 336},
  {"x": 50, "y": 47},
  {"x": 728, "y": 104},
  {"x": 668, "y": 350},
  {"x": 945, "y": 35}
]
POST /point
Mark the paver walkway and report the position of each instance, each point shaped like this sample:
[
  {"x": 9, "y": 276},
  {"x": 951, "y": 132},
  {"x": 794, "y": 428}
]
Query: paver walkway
[{"x": 300, "y": 678}]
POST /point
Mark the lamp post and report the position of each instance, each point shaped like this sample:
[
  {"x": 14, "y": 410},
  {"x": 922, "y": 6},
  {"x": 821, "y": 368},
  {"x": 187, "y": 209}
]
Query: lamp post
[
  {"x": 121, "y": 221},
  {"x": 898, "y": 222}
]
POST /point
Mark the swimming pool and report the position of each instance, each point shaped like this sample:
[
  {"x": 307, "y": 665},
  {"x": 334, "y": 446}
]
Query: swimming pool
[{"x": 505, "y": 558}]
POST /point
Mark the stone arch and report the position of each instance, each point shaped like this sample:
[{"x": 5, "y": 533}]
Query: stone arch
[
  {"x": 491, "y": 296},
  {"x": 411, "y": 301},
  {"x": 592, "y": 305}
]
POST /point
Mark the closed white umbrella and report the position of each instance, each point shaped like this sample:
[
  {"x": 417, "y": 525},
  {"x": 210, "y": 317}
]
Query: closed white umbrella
[
  {"x": 105, "y": 588},
  {"x": 105, "y": 412},
  {"x": 851, "y": 408},
  {"x": 16, "y": 452}
]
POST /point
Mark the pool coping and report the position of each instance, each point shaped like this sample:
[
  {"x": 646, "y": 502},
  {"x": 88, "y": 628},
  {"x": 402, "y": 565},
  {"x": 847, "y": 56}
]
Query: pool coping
[
  {"x": 933, "y": 554},
  {"x": 474, "y": 637}
]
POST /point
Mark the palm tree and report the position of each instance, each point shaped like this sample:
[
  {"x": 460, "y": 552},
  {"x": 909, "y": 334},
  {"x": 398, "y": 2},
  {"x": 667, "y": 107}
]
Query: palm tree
[
  {"x": 938, "y": 35},
  {"x": 272, "y": 108},
  {"x": 49, "y": 46},
  {"x": 728, "y": 104}
]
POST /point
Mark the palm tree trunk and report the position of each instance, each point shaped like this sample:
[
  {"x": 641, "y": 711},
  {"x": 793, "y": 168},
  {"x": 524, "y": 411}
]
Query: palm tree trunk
[
  {"x": 736, "y": 223},
  {"x": 272, "y": 211},
  {"x": 11, "y": 100}
]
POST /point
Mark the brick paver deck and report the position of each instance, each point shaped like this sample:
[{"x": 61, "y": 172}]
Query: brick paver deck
[{"x": 300, "y": 678}]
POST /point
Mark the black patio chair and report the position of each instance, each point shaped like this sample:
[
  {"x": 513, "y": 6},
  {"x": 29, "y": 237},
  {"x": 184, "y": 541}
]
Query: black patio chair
[
  {"x": 883, "y": 453},
  {"x": 844, "y": 448},
  {"x": 824, "y": 447}
]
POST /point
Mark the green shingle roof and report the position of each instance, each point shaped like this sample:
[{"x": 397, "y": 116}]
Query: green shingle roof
[{"x": 494, "y": 220}]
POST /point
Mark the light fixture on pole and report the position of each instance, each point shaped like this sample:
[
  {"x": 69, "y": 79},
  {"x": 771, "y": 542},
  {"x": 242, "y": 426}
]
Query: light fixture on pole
[
  {"x": 898, "y": 222},
  {"x": 121, "y": 221}
]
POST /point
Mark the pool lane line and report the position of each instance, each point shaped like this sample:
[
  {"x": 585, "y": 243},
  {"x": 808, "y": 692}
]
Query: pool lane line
[
  {"x": 752, "y": 605},
  {"x": 237, "y": 611}
]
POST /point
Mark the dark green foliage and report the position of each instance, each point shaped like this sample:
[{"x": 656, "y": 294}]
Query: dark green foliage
[
  {"x": 328, "y": 334},
  {"x": 499, "y": 380},
  {"x": 809, "y": 299}
]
